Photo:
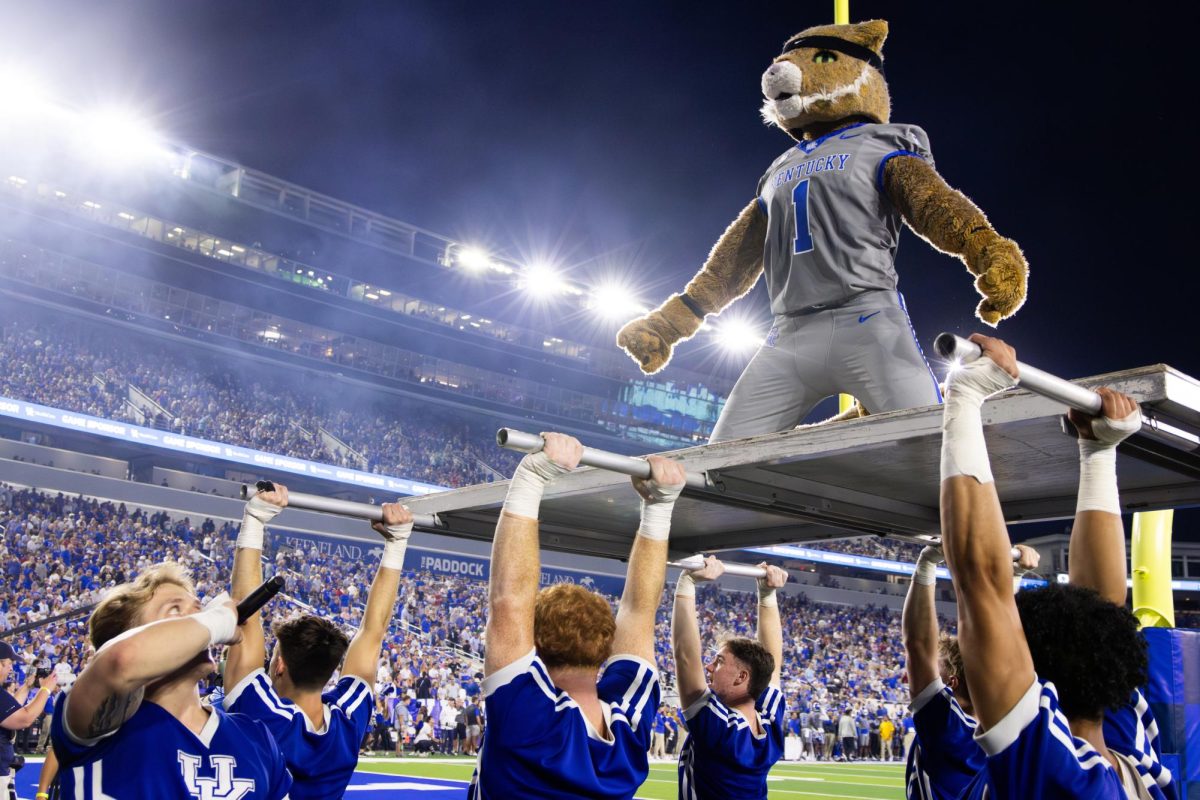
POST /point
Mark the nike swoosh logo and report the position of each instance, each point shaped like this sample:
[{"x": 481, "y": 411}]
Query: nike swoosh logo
[
  {"x": 849, "y": 135},
  {"x": 862, "y": 318}
]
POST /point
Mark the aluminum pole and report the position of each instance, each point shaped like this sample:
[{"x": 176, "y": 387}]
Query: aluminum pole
[
  {"x": 344, "y": 508},
  {"x": 600, "y": 459},
  {"x": 956, "y": 348},
  {"x": 697, "y": 562}
]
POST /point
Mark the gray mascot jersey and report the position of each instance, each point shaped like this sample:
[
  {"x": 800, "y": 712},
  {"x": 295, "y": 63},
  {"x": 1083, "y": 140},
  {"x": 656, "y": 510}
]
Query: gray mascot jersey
[{"x": 831, "y": 229}]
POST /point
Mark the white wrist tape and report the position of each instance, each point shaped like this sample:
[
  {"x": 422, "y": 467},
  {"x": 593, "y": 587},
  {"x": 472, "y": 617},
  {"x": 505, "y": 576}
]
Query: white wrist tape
[
  {"x": 258, "y": 513},
  {"x": 1097, "y": 478},
  {"x": 1098, "y": 463},
  {"x": 1114, "y": 431},
  {"x": 395, "y": 546},
  {"x": 220, "y": 619},
  {"x": 657, "y": 509},
  {"x": 685, "y": 586},
  {"x": 925, "y": 573},
  {"x": 656, "y": 521},
  {"x": 766, "y": 594},
  {"x": 964, "y": 451},
  {"x": 927, "y": 563},
  {"x": 535, "y": 471}
]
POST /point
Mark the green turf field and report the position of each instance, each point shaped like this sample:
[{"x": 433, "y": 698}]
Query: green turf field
[{"x": 804, "y": 781}]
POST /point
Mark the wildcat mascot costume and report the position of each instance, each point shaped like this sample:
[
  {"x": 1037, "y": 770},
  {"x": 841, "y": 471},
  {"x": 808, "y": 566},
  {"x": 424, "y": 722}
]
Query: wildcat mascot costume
[{"x": 824, "y": 227}]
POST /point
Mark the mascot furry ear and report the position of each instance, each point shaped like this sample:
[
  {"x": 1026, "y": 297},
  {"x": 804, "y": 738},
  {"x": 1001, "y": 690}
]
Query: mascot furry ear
[{"x": 824, "y": 226}]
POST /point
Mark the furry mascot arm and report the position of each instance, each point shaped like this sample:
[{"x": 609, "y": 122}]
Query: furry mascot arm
[
  {"x": 731, "y": 270},
  {"x": 950, "y": 222}
]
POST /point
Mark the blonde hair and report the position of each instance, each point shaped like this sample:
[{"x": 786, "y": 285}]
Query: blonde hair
[
  {"x": 950, "y": 654},
  {"x": 121, "y": 609},
  {"x": 572, "y": 627}
]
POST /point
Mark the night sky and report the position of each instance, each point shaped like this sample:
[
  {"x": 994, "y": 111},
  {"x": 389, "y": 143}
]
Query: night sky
[{"x": 623, "y": 136}]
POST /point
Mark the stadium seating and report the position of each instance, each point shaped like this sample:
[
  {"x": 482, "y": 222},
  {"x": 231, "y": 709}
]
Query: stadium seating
[
  {"x": 60, "y": 552},
  {"x": 241, "y": 403}
]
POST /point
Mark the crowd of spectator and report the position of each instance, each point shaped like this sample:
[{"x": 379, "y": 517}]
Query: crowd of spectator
[
  {"x": 872, "y": 547},
  {"x": 245, "y": 403},
  {"x": 255, "y": 407},
  {"x": 59, "y": 553}
]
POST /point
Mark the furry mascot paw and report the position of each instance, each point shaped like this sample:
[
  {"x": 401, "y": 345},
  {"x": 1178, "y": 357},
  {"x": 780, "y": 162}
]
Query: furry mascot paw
[
  {"x": 1002, "y": 272},
  {"x": 650, "y": 339}
]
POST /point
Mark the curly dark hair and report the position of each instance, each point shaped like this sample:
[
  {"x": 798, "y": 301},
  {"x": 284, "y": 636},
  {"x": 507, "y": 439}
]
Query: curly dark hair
[{"x": 1089, "y": 648}]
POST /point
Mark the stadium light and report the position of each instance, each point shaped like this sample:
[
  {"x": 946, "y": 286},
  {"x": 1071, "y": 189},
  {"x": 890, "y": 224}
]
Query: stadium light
[
  {"x": 20, "y": 92},
  {"x": 738, "y": 336},
  {"x": 615, "y": 302},
  {"x": 117, "y": 136},
  {"x": 542, "y": 281},
  {"x": 472, "y": 259}
]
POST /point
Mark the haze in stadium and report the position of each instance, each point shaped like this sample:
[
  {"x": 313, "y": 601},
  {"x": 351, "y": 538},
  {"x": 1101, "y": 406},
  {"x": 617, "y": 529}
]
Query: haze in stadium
[{"x": 337, "y": 246}]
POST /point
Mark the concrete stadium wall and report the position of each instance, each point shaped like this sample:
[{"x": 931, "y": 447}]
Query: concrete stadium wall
[
  {"x": 65, "y": 459},
  {"x": 190, "y": 481}
]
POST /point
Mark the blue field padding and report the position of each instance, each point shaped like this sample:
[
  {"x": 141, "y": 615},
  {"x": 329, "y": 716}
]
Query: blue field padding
[{"x": 1174, "y": 696}]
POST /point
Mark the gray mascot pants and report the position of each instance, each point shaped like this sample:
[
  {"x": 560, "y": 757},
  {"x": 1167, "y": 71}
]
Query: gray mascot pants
[{"x": 866, "y": 348}]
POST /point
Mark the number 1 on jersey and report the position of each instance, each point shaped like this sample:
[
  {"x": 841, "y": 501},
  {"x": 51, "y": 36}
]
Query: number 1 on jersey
[{"x": 804, "y": 240}]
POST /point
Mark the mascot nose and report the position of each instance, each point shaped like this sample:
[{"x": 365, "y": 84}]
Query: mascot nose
[{"x": 781, "y": 78}]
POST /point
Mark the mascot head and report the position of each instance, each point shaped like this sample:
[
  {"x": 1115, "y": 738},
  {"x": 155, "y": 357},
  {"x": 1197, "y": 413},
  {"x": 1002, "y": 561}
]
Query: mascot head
[{"x": 827, "y": 74}]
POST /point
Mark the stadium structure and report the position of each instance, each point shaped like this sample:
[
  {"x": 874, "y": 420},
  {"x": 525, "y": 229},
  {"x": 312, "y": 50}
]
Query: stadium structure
[
  {"x": 113, "y": 239},
  {"x": 145, "y": 287}
]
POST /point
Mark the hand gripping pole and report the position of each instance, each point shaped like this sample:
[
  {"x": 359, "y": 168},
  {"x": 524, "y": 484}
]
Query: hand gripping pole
[
  {"x": 956, "y": 348},
  {"x": 332, "y": 505},
  {"x": 697, "y": 562},
  {"x": 600, "y": 459}
]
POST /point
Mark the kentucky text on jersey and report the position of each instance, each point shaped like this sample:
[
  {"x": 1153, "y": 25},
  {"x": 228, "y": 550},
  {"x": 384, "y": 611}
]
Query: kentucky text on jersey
[{"x": 805, "y": 168}]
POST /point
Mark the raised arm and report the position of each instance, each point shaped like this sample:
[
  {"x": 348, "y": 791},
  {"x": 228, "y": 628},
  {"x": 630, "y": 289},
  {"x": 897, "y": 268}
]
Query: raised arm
[
  {"x": 647, "y": 569},
  {"x": 110, "y": 689},
  {"x": 919, "y": 625},
  {"x": 685, "y": 632},
  {"x": 1097, "y": 549},
  {"x": 22, "y": 718},
  {"x": 731, "y": 270},
  {"x": 516, "y": 564},
  {"x": 976, "y": 543},
  {"x": 251, "y": 653},
  {"x": 770, "y": 628},
  {"x": 362, "y": 658},
  {"x": 948, "y": 220}
]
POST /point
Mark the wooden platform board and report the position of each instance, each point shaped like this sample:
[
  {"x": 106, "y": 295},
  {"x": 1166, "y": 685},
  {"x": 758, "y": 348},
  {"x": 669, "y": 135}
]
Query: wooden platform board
[{"x": 877, "y": 475}]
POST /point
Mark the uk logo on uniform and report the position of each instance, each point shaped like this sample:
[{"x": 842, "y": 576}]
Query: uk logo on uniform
[{"x": 222, "y": 786}]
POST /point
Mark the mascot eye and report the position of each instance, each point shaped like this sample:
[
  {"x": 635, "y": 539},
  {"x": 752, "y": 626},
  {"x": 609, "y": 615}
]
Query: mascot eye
[{"x": 824, "y": 57}]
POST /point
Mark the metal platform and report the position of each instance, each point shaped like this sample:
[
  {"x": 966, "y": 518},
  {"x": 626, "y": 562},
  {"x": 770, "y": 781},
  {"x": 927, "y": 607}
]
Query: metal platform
[{"x": 877, "y": 475}]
